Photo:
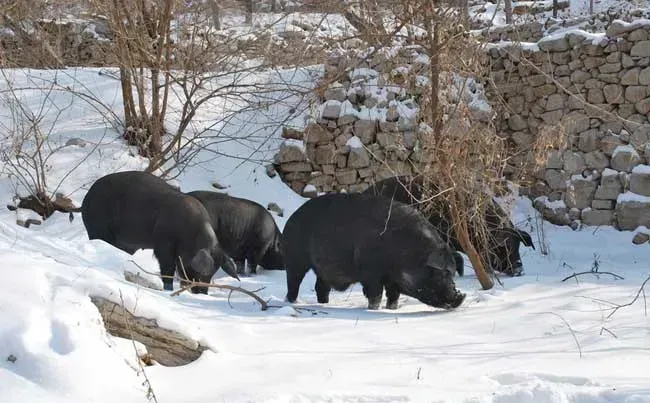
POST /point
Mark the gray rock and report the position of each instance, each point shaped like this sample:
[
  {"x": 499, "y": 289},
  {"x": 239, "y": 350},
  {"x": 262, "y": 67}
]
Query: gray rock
[
  {"x": 523, "y": 139},
  {"x": 602, "y": 204},
  {"x": 517, "y": 123},
  {"x": 76, "y": 141},
  {"x": 358, "y": 158},
  {"x": 596, "y": 160},
  {"x": 346, "y": 176},
  {"x": 595, "y": 96},
  {"x": 574, "y": 214},
  {"x": 640, "y": 136},
  {"x": 638, "y": 35},
  {"x": 596, "y": 218},
  {"x": 574, "y": 162},
  {"x": 560, "y": 44},
  {"x": 643, "y": 106},
  {"x": 635, "y": 93},
  {"x": 331, "y": 110},
  {"x": 298, "y": 166},
  {"x": 575, "y": 122},
  {"x": 631, "y": 77},
  {"x": 335, "y": 92},
  {"x": 631, "y": 213},
  {"x": 580, "y": 193},
  {"x": 290, "y": 152},
  {"x": 613, "y": 94},
  {"x": 555, "y": 160},
  {"x": 625, "y": 158},
  {"x": 325, "y": 154},
  {"x": 579, "y": 77},
  {"x": 317, "y": 134},
  {"x": 640, "y": 180},
  {"x": 555, "y": 214},
  {"x": 640, "y": 49},
  {"x": 386, "y": 139},
  {"x": 270, "y": 171},
  {"x": 365, "y": 129},
  {"x": 609, "y": 143},
  {"x": 640, "y": 238},
  {"x": 610, "y": 68},
  {"x": 555, "y": 102},
  {"x": 589, "y": 140},
  {"x": 644, "y": 76}
]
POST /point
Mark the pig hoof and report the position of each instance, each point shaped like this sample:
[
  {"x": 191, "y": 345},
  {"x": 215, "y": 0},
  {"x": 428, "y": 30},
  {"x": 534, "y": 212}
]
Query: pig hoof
[{"x": 391, "y": 305}]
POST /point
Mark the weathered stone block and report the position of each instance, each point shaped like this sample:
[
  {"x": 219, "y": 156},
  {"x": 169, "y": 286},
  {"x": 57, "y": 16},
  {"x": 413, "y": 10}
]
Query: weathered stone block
[
  {"x": 632, "y": 213},
  {"x": 517, "y": 123},
  {"x": 631, "y": 77},
  {"x": 595, "y": 218},
  {"x": 365, "y": 129},
  {"x": 325, "y": 154},
  {"x": 624, "y": 158},
  {"x": 574, "y": 162},
  {"x": 321, "y": 180},
  {"x": 336, "y": 92},
  {"x": 613, "y": 94},
  {"x": 290, "y": 151},
  {"x": 640, "y": 49},
  {"x": 640, "y": 180},
  {"x": 609, "y": 143},
  {"x": 643, "y": 106},
  {"x": 358, "y": 158},
  {"x": 555, "y": 102},
  {"x": 317, "y": 134},
  {"x": 637, "y": 35},
  {"x": 595, "y": 96},
  {"x": 602, "y": 204},
  {"x": 555, "y": 160},
  {"x": 296, "y": 167},
  {"x": 346, "y": 176},
  {"x": 579, "y": 77},
  {"x": 386, "y": 139},
  {"x": 556, "y": 179},
  {"x": 589, "y": 140},
  {"x": 596, "y": 160},
  {"x": 331, "y": 110},
  {"x": 610, "y": 68},
  {"x": 580, "y": 193}
]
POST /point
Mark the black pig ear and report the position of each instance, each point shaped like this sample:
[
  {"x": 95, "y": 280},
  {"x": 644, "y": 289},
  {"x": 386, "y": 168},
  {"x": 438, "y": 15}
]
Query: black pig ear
[{"x": 527, "y": 240}]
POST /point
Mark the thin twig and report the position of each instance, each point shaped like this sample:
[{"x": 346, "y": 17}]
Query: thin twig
[
  {"x": 222, "y": 287},
  {"x": 575, "y": 338},
  {"x": 638, "y": 293},
  {"x": 616, "y": 276}
]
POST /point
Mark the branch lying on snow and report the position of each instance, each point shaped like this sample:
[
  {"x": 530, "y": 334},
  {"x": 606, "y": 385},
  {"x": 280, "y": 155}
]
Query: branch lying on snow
[
  {"x": 191, "y": 284},
  {"x": 575, "y": 275},
  {"x": 575, "y": 338},
  {"x": 640, "y": 291},
  {"x": 232, "y": 288}
]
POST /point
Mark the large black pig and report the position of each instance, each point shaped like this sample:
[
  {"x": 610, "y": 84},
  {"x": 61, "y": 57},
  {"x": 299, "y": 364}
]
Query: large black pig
[
  {"x": 502, "y": 249},
  {"x": 349, "y": 238},
  {"x": 246, "y": 231},
  {"x": 137, "y": 210}
]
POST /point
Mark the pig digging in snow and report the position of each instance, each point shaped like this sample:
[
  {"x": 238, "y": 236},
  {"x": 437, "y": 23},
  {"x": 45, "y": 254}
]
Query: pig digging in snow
[
  {"x": 246, "y": 231},
  {"x": 137, "y": 210},
  {"x": 350, "y": 238},
  {"x": 502, "y": 249}
]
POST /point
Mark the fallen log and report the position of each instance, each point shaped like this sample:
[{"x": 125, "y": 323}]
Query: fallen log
[{"x": 167, "y": 347}]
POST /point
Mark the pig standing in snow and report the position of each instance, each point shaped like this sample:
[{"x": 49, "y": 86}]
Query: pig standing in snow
[
  {"x": 502, "y": 252},
  {"x": 246, "y": 230},
  {"x": 137, "y": 210},
  {"x": 349, "y": 238}
]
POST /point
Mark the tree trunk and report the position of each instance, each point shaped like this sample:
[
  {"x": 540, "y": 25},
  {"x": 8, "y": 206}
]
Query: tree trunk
[
  {"x": 215, "y": 14},
  {"x": 274, "y": 6},
  {"x": 591, "y": 7},
  {"x": 249, "y": 11},
  {"x": 507, "y": 8},
  {"x": 555, "y": 6}
]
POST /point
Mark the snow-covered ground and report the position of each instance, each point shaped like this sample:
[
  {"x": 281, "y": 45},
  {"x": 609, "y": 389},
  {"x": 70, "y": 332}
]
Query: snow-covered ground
[{"x": 534, "y": 339}]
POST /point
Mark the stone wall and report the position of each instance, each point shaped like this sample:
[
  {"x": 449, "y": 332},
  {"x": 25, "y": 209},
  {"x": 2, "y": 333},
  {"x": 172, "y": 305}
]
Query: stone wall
[
  {"x": 365, "y": 127},
  {"x": 598, "y": 88}
]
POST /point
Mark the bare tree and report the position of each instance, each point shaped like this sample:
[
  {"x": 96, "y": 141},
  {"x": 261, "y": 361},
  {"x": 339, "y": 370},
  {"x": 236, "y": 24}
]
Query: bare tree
[{"x": 507, "y": 8}]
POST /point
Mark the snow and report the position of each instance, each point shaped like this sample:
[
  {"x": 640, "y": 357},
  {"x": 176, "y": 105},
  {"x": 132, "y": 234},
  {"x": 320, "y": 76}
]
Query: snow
[
  {"x": 553, "y": 205},
  {"x": 632, "y": 197},
  {"x": 609, "y": 172},
  {"x": 354, "y": 142},
  {"x": 641, "y": 169},
  {"x": 507, "y": 344},
  {"x": 624, "y": 148}
]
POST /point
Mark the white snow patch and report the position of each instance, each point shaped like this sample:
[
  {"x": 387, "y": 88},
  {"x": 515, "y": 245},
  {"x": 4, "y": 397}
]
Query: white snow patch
[
  {"x": 354, "y": 142},
  {"x": 641, "y": 169},
  {"x": 609, "y": 172},
  {"x": 624, "y": 148},
  {"x": 632, "y": 197}
]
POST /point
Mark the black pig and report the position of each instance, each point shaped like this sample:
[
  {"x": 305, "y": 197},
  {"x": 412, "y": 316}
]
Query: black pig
[
  {"x": 502, "y": 252},
  {"x": 246, "y": 230},
  {"x": 349, "y": 238},
  {"x": 137, "y": 210}
]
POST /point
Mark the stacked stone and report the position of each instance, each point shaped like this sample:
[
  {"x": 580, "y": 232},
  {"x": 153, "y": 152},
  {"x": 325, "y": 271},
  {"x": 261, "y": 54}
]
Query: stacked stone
[{"x": 608, "y": 135}]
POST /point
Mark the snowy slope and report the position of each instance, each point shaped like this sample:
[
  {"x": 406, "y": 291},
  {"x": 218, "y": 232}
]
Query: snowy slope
[{"x": 536, "y": 339}]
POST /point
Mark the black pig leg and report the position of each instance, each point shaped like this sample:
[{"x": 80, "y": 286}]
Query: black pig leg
[
  {"x": 294, "y": 278},
  {"x": 392, "y": 294},
  {"x": 167, "y": 263},
  {"x": 240, "y": 267},
  {"x": 322, "y": 290},
  {"x": 373, "y": 291}
]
